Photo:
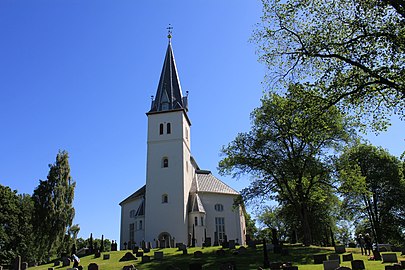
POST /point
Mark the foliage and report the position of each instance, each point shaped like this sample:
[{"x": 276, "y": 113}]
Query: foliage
[
  {"x": 54, "y": 212},
  {"x": 287, "y": 151},
  {"x": 15, "y": 225},
  {"x": 353, "y": 52},
  {"x": 373, "y": 188}
]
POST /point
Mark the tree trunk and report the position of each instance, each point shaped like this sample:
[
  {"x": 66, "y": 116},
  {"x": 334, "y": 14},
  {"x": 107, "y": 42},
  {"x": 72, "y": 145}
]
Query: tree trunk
[{"x": 306, "y": 228}]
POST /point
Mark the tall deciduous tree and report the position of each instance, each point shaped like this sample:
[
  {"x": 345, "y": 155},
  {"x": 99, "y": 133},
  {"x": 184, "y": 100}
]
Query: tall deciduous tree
[
  {"x": 286, "y": 151},
  {"x": 53, "y": 200},
  {"x": 373, "y": 188},
  {"x": 354, "y": 49}
]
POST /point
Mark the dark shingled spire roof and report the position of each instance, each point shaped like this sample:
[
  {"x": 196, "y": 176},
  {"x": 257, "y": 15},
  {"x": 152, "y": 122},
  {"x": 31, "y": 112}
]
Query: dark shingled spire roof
[{"x": 168, "y": 95}]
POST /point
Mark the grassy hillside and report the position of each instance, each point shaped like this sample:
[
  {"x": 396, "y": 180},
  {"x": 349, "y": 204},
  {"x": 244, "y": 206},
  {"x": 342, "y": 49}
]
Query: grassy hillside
[{"x": 252, "y": 259}]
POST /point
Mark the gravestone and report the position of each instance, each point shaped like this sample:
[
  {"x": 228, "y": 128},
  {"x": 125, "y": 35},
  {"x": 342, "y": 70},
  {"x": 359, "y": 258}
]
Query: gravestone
[
  {"x": 393, "y": 267},
  {"x": 340, "y": 249},
  {"x": 198, "y": 254},
  {"x": 195, "y": 266},
  {"x": 232, "y": 244},
  {"x": 17, "y": 263},
  {"x": 106, "y": 256},
  {"x": 49, "y": 268},
  {"x": 389, "y": 258},
  {"x": 185, "y": 252},
  {"x": 181, "y": 246},
  {"x": 358, "y": 265},
  {"x": 347, "y": 257},
  {"x": 334, "y": 257},
  {"x": 139, "y": 254},
  {"x": 376, "y": 255},
  {"x": 128, "y": 257},
  {"x": 207, "y": 242},
  {"x": 228, "y": 266},
  {"x": 66, "y": 261},
  {"x": 149, "y": 245},
  {"x": 143, "y": 244},
  {"x": 129, "y": 267},
  {"x": 97, "y": 254},
  {"x": 242, "y": 250},
  {"x": 56, "y": 263},
  {"x": 343, "y": 268},
  {"x": 331, "y": 264},
  {"x": 319, "y": 258},
  {"x": 145, "y": 259},
  {"x": 158, "y": 255},
  {"x": 24, "y": 266},
  {"x": 146, "y": 250},
  {"x": 92, "y": 266},
  {"x": 135, "y": 250},
  {"x": 275, "y": 265}
]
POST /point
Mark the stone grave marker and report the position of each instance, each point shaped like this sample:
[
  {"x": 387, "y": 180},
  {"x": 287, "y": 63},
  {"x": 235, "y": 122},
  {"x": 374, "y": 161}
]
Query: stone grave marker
[
  {"x": 24, "y": 266},
  {"x": 347, "y": 257},
  {"x": 129, "y": 267},
  {"x": 145, "y": 259},
  {"x": 232, "y": 244},
  {"x": 242, "y": 250},
  {"x": 198, "y": 254},
  {"x": 106, "y": 256},
  {"x": 320, "y": 258},
  {"x": 275, "y": 265},
  {"x": 334, "y": 257},
  {"x": 135, "y": 250},
  {"x": 66, "y": 261},
  {"x": 17, "y": 263},
  {"x": 56, "y": 263},
  {"x": 376, "y": 255},
  {"x": 185, "y": 251},
  {"x": 158, "y": 255},
  {"x": 358, "y": 265},
  {"x": 51, "y": 268},
  {"x": 343, "y": 268},
  {"x": 340, "y": 249},
  {"x": 92, "y": 266},
  {"x": 331, "y": 264},
  {"x": 389, "y": 258},
  {"x": 393, "y": 267}
]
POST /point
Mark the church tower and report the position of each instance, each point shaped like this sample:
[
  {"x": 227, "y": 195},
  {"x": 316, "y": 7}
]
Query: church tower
[{"x": 168, "y": 170}]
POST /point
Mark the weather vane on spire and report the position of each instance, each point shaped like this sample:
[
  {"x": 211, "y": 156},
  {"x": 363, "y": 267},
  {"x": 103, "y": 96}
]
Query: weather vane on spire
[{"x": 169, "y": 32}]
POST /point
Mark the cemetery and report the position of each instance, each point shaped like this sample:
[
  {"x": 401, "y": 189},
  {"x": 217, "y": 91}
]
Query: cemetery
[{"x": 218, "y": 258}]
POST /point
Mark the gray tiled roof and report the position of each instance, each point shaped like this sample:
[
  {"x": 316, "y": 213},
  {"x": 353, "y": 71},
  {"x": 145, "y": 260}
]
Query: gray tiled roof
[
  {"x": 139, "y": 193},
  {"x": 206, "y": 182}
]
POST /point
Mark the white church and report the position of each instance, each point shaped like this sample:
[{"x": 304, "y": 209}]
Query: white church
[{"x": 180, "y": 202}]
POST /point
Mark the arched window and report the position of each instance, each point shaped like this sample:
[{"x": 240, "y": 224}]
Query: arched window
[
  {"x": 165, "y": 198},
  {"x": 219, "y": 207},
  {"x": 160, "y": 129},
  {"x": 168, "y": 128},
  {"x": 195, "y": 221},
  {"x": 140, "y": 224},
  {"x": 165, "y": 162}
]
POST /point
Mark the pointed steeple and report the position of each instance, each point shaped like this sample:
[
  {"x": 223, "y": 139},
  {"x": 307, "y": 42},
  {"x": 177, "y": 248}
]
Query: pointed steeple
[{"x": 169, "y": 95}]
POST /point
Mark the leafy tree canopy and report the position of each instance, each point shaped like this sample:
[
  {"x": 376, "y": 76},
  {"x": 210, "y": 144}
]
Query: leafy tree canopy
[{"x": 353, "y": 52}]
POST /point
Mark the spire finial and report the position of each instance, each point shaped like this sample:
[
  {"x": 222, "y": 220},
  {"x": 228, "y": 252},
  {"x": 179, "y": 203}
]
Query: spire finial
[{"x": 169, "y": 32}]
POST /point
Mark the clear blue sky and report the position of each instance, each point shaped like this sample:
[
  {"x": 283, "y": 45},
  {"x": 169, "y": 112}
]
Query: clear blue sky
[{"x": 78, "y": 75}]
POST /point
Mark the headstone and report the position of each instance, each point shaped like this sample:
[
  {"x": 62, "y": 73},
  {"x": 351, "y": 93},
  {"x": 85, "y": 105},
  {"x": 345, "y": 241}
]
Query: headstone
[
  {"x": 320, "y": 258},
  {"x": 242, "y": 250},
  {"x": 232, "y": 244},
  {"x": 135, "y": 250},
  {"x": 358, "y": 265},
  {"x": 146, "y": 250},
  {"x": 97, "y": 254},
  {"x": 275, "y": 265},
  {"x": 340, "y": 249},
  {"x": 145, "y": 259},
  {"x": 331, "y": 264},
  {"x": 139, "y": 254},
  {"x": 198, "y": 254},
  {"x": 389, "y": 258},
  {"x": 143, "y": 244},
  {"x": 195, "y": 266},
  {"x": 347, "y": 257},
  {"x": 106, "y": 256},
  {"x": 158, "y": 255},
  {"x": 17, "y": 263},
  {"x": 49, "y": 268},
  {"x": 66, "y": 261},
  {"x": 92, "y": 266},
  {"x": 24, "y": 266},
  {"x": 128, "y": 257},
  {"x": 181, "y": 246},
  {"x": 129, "y": 267},
  {"x": 73, "y": 268},
  {"x": 228, "y": 266},
  {"x": 343, "y": 268},
  {"x": 185, "y": 252},
  {"x": 207, "y": 242},
  {"x": 56, "y": 263},
  {"x": 334, "y": 257},
  {"x": 393, "y": 267}
]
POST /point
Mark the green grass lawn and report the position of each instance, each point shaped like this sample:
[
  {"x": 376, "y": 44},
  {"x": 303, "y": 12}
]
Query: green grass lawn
[{"x": 252, "y": 259}]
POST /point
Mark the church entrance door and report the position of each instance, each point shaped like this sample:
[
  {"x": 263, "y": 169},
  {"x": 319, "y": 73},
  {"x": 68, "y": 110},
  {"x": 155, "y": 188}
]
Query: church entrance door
[{"x": 165, "y": 240}]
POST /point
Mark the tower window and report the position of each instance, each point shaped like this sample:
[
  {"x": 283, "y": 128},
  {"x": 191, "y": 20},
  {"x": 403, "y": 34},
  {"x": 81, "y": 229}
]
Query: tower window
[
  {"x": 165, "y": 162},
  {"x": 202, "y": 221},
  {"x": 168, "y": 128},
  {"x": 219, "y": 207},
  {"x": 140, "y": 224},
  {"x": 132, "y": 214},
  {"x": 160, "y": 129},
  {"x": 195, "y": 221},
  {"x": 165, "y": 198}
]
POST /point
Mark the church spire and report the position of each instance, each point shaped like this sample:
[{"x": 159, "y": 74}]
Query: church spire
[{"x": 169, "y": 95}]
